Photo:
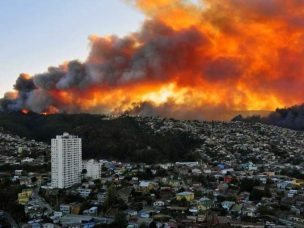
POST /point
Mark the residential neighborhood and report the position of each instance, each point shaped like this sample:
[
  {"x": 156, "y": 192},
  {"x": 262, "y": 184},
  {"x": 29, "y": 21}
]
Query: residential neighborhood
[{"x": 248, "y": 175}]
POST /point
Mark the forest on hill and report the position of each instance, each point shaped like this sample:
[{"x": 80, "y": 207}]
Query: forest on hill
[{"x": 122, "y": 138}]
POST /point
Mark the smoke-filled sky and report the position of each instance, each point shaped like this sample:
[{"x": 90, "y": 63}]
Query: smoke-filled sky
[
  {"x": 38, "y": 33},
  {"x": 203, "y": 59}
]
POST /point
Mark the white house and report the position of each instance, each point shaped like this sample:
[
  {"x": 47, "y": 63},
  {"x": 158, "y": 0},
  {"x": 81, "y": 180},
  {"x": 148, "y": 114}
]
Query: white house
[
  {"x": 159, "y": 203},
  {"x": 93, "y": 169}
]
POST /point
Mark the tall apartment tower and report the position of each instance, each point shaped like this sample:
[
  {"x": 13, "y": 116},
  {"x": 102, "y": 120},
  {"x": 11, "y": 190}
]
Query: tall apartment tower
[{"x": 66, "y": 160}]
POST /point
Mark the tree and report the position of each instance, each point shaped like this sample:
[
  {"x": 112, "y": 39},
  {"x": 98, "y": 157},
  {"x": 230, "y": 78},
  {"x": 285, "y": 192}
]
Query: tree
[
  {"x": 153, "y": 224},
  {"x": 111, "y": 198},
  {"x": 84, "y": 171},
  {"x": 248, "y": 184},
  {"x": 34, "y": 179},
  {"x": 120, "y": 220}
]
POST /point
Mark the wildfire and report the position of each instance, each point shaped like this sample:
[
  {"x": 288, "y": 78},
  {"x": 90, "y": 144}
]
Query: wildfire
[
  {"x": 203, "y": 61},
  {"x": 25, "y": 111}
]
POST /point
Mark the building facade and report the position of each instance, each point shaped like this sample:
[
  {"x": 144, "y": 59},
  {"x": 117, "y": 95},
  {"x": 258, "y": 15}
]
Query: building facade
[
  {"x": 66, "y": 160},
  {"x": 93, "y": 169}
]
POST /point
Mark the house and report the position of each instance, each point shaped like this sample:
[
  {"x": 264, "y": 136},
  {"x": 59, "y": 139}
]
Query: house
[
  {"x": 226, "y": 171},
  {"x": 84, "y": 192},
  {"x": 146, "y": 186},
  {"x": 189, "y": 164},
  {"x": 196, "y": 172},
  {"x": 143, "y": 214},
  {"x": 18, "y": 172},
  {"x": 249, "y": 210},
  {"x": 298, "y": 183},
  {"x": 291, "y": 193},
  {"x": 130, "y": 213},
  {"x": 223, "y": 187},
  {"x": 48, "y": 225},
  {"x": 227, "y": 204},
  {"x": 189, "y": 196},
  {"x": 24, "y": 196},
  {"x": 204, "y": 204},
  {"x": 159, "y": 203},
  {"x": 221, "y": 166},
  {"x": 75, "y": 208},
  {"x": 92, "y": 211},
  {"x": 283, "y": 184},
  {"x": 249, "y": 166},
  {"x": 65, "y": 209},
  {"x": 101, "y": 197},
  {"x": 228, "y": 179},
  {"x": 193, "y": 210},
  {"x": 25, "y": 181},
  {"x": 236, "y": 210},
  {"x": 58, "y": 214}
]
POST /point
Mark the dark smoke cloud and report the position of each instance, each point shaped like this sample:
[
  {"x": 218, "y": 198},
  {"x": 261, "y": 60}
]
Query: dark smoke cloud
[
  {"x": 164, "y": 52},
  {"x": 24, "y": 83},
  {"x": 292, "y": 118},
  {"x": 49, "y": 80},
  {"x": 75, "y": 77},
  {"x": 154, "y": 54},
  {"x": 182, "y": 112}
]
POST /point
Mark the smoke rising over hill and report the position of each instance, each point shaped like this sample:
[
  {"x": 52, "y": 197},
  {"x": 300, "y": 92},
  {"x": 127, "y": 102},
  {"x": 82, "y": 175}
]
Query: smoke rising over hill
[
  {"x": 190, "y": 61},
  {"x": 292, "y": 118}
]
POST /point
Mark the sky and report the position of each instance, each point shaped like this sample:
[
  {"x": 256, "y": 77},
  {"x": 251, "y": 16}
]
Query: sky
[{"x": 37, "y": 34}]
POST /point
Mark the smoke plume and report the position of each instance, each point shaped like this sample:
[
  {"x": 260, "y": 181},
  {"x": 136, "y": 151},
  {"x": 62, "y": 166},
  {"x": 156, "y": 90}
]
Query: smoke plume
[
  {"x": 209, "y": 60},
  {"x": 292, "y": 117}
]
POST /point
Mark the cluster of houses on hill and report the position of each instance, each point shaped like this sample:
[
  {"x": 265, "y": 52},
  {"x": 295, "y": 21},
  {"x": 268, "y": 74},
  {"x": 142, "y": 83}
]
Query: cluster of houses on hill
[
  {"x": 16, "y": 151},
  {"x": 180, "y": 194},
  {"x": 246, "y": 175}
]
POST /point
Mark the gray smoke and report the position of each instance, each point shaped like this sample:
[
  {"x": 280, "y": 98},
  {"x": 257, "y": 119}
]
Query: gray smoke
[
  {"x": 292, "y": 117},
  {"x": 154, "y": 54}
]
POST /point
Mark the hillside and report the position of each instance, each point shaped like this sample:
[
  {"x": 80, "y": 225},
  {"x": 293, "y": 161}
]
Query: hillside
[
  {"x": 151, "y": 139},
  {"x": 122, "y": 138}
]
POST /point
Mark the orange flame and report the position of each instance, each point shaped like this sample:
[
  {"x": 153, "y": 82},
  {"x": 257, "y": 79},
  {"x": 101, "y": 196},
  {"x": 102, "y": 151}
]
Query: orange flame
[{"x": 25, "y": 111}]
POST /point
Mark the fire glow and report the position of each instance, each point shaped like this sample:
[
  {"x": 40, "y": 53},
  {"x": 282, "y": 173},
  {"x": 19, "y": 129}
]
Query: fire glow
[{"x": 191, "y": 61}]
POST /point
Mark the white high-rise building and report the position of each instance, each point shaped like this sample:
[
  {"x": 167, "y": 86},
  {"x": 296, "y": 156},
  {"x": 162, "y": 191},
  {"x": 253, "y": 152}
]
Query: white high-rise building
[
  {"x": 93, "y": 168},
  {"x": 66, "y": 160}
]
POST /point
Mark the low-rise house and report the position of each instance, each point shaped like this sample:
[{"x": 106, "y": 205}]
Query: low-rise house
[
  {"x": 130, "y": 212},
  {"x": 204, "y": 204},
  {"x": 143, "y": 214},
  {"x": 159, "y": 203},
  {"x": 227, "y": 205},
  {"x": 91, "y": 211},
  {"x": 24, "y": 196},
  {"x": 84, "y": 192},
  {"x": 19, "y": 172},
  {"x": 228, "y": 179},
  {"x": 283, "y": 184},
  {"x": 146, "y": 186},
  {"x": 75, "y": 208},
  {"x": 196, "y": 172},
  {"x": 249, "y": 210},
  {"x": 249, "y": 166},
  {"x": 189, "y": 196},
  {"x": 236, "y": 210},
  {"x": 101, "y": 197},
  {"x": 65, "y": 209}
]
